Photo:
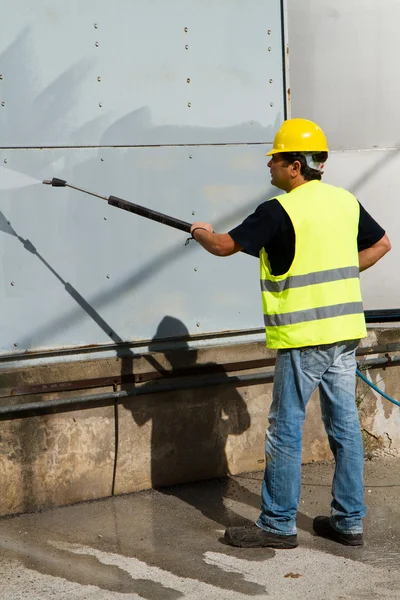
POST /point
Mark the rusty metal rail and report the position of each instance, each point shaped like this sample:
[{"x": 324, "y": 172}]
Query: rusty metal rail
[
  {"x": 36, "y": 408},
  {"x": 88, "y": 401}
]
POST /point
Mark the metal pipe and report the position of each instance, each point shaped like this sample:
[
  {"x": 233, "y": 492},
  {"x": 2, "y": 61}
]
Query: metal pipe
[
  {"x": 111, "y": 397},
  {"x": 374, "y": 362},
  {"x": 140, "y": 391}
]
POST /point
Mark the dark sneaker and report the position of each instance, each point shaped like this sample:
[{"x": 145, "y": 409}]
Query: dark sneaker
[
  {"x": 323, "y": 527},
  {"x": 254, "y": 537}
]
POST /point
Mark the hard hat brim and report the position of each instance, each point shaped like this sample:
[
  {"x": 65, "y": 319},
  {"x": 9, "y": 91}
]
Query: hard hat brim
[{"x": 278, "y": 150}]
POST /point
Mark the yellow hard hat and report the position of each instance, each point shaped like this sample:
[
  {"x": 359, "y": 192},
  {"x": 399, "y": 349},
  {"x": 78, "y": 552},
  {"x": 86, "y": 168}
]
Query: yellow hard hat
[{"x": 299, "y": 135}]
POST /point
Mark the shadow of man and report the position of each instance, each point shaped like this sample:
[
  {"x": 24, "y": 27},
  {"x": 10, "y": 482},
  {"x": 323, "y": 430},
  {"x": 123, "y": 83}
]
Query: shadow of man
[{"x": 191, "y": 428}]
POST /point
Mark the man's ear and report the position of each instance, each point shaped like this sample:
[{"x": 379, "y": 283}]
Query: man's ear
[{"x": 296, "y": 168}]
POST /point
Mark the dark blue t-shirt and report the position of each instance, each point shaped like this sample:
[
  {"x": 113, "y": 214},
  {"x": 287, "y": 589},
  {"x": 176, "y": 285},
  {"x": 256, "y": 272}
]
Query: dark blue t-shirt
[{"x": 270, "y": 227}]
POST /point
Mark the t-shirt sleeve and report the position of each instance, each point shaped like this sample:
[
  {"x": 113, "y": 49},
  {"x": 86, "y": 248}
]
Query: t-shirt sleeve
[
  {"x": 369, "y": 232},
  {"x": 259, "y": 228}
]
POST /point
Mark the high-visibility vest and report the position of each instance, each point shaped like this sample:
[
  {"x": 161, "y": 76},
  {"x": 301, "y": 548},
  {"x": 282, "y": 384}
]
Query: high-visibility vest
[{"x": 318, "y": 301}]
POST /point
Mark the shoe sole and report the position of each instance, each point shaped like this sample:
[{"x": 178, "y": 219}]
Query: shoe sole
[
  {"x": 277, "y": 544},
  {"x": 344, "y": 542},
  {"x": 341, "y": 541}
]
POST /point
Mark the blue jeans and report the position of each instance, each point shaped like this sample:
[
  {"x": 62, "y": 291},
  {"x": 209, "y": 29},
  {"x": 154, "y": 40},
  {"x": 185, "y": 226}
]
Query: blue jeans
[{"x": 298, "y": 373}]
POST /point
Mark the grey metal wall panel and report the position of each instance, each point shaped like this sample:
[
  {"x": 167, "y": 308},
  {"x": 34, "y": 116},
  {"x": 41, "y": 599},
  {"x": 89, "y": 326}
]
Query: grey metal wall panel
[
  {"x": 75, "y": 271},
  {"x": 341, "y": 69},
  {"x": 341, "y": 75},
  {"x": 99, "y": 73}
]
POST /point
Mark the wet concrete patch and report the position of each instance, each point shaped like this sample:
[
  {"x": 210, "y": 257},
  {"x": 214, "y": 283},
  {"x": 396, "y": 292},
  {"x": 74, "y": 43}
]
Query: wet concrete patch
[{"x": 168, "y": 544}]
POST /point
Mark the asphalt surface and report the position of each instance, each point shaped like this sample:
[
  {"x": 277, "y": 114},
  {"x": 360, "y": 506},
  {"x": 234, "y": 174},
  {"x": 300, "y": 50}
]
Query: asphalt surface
[{"x": 168, "y": 544}]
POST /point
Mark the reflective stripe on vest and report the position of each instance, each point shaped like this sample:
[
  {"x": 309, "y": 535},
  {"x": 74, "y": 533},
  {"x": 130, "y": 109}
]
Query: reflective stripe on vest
[
  {"x": 296, "y": 281},
  {"x": 313, "y": 314}
]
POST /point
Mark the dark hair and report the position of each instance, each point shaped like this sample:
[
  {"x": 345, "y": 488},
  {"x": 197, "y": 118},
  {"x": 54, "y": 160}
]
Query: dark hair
[{"x": 308, "y": 173}]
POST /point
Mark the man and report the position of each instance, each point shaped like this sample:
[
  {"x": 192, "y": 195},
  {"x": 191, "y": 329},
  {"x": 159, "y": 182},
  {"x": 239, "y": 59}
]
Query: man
[{"x": 312, "y": 242}]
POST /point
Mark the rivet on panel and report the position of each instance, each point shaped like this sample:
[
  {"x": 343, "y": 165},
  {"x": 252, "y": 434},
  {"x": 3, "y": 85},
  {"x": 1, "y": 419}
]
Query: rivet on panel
[
  {"x": 102, "y": 159},
  {"x": 99, "y": 79},
  {"x": 193, "y": 212},
  {"x": 269, "y": 48},
  {"x": 188, "y": 80},
  {"x": 3, "y": 103},
  {"x": 97, "y": 44},
  {"x": 190, "y": 156},
  {"x": 105, "y": 218},
  {"x": 195, "y": 269},
  {"x": 100, "y": 104},
  {"x": 187, "y": 47},
  {"x": 15, "y": 344},
  {"x": 96, "y": 26},
  {"x": 1, "y": 76},
  {"x": 12, "y": 283},
  {"x": 271, "y": 103},
  {"x": 269, "y": 32},
  {"x": 197, "y": 324},
  {"x": 108, "y": 277},
  {"x": 5, "y": 160},
  {"x": 271, "y": 80},
  {"x": 186, "y": 29},
  {"x": 189, "y": 104}
]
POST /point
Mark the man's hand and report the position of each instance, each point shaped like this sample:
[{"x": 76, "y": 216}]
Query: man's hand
[
  {"x": 201, "y": 225},
  {"x": 219, "y": 244}
]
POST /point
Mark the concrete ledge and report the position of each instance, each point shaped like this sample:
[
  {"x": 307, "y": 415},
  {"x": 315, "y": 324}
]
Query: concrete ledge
[{"x": 173, "y": 437}]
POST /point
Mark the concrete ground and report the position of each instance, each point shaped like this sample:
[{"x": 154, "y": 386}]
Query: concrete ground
[{"x": 166, "y": 545}]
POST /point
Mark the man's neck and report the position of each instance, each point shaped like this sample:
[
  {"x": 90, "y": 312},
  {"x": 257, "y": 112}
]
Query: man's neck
[{"x": 296, "y": 183}]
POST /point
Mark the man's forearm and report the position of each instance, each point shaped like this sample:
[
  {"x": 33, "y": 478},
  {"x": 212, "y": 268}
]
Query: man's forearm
[{"x": 215, "y": 243}]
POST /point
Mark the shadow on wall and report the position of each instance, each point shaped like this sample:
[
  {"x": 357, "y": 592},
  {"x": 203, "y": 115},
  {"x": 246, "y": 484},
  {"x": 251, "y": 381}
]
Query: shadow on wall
[{"x": 190, "y": 430}]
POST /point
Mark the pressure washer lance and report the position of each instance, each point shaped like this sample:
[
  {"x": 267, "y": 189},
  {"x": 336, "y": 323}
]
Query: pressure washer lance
[{"x": 130, "y": 206}]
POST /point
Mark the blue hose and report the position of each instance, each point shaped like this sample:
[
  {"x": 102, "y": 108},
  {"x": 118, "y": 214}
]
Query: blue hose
[{"x": 373, "y": 386}]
